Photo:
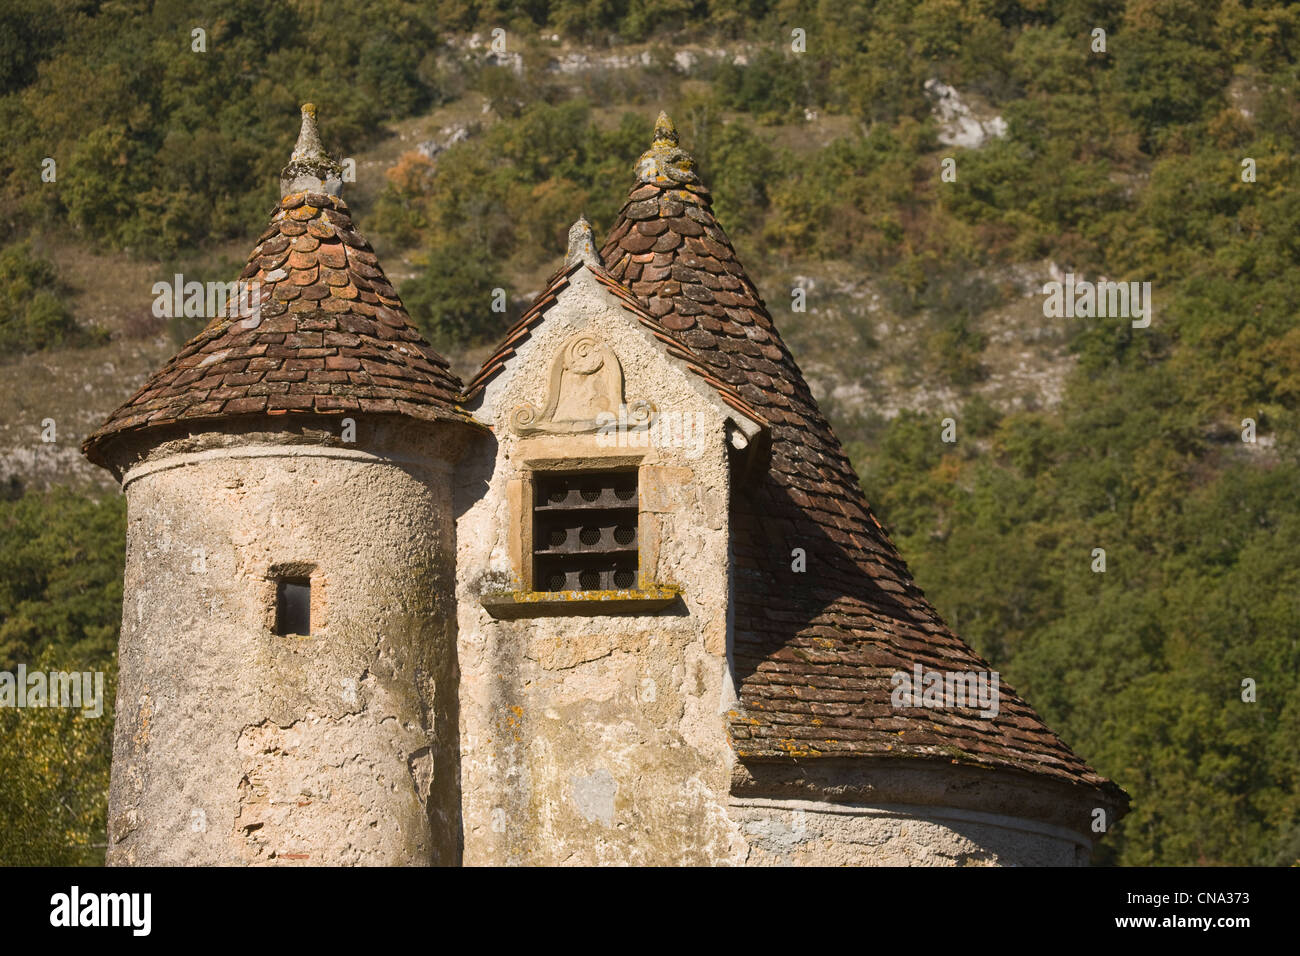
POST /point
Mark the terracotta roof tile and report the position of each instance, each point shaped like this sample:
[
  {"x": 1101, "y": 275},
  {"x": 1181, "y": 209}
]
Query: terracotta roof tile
[{"x": 317, "y": 320}]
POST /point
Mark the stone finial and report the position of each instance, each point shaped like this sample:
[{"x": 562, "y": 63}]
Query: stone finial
[
  {"x": 310, "y": 168},
  {"x": 308, "y": 145},
  {"x": 582, "y": 245},
  {"x": 665, "y": 131},
  {"x": 665, "y": 162}
]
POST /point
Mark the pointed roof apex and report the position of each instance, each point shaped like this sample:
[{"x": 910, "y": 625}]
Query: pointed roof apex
[
  {"x": 665, "y": 131},
  {"x": 310, "y": 168},
  {"x": 665, "y": 162},
  {"x": 308, "y": 145},
  {"x": 582, "y": 245}
]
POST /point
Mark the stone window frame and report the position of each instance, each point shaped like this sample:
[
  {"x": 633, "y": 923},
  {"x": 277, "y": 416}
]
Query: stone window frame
[
  {"x": 281, "y": 570},
  {"x": 576, "y": 454}
]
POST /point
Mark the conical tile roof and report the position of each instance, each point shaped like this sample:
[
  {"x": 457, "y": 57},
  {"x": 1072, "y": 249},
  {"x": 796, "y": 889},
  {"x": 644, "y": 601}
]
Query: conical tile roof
[
  {"x": 814, "y": 651},
  {"x": 328, "y": 334}
]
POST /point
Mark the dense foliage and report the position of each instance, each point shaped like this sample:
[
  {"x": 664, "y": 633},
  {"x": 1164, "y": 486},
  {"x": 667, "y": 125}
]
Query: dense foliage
[
  {"x": 1125, "y": 164},
  {"x": 60, "y": 610}
]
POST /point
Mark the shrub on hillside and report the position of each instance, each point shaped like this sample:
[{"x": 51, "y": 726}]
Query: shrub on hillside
[{"x": 34, "y": 312}]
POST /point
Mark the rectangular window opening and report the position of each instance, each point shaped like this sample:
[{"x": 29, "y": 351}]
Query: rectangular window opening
[
  {"x": 585, "y": 535},
  {"x": 293, "y": 606}
]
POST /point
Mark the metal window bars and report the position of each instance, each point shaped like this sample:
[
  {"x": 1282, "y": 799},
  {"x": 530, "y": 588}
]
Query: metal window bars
[{"x": 585, "y": 532}]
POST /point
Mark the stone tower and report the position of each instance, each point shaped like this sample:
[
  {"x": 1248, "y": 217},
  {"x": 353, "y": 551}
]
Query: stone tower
[{"x": 287, "y": 685}]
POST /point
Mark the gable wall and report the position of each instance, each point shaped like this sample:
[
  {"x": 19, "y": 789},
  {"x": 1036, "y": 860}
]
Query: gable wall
[{"x": 596, "y": 738}]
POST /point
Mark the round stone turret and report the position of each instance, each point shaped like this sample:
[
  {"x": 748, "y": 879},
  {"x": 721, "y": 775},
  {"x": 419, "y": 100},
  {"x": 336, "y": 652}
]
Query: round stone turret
[{"x": 287, "y": 664}]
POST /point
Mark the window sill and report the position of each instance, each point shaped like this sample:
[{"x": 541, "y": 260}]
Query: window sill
[{"x": 507, "y": 604}]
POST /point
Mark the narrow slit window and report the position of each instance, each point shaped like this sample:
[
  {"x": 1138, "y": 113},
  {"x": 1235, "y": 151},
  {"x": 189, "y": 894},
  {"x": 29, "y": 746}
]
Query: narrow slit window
[
  {"x": 293, "y": 606},
  {"x": 585, "y": 532}
]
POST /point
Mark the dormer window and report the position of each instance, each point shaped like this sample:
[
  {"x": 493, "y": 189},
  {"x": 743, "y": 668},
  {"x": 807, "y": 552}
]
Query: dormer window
[
  {"x": 582, "y": 541},
  {"x": 585, "y": 531}
]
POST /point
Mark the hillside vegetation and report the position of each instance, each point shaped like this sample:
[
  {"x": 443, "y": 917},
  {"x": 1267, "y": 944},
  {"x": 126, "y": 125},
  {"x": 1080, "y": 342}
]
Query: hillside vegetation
[{"x": 922, "y": 298}]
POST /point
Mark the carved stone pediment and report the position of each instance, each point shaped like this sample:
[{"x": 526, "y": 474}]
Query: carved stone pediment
[{"x": 585, "y": 394}]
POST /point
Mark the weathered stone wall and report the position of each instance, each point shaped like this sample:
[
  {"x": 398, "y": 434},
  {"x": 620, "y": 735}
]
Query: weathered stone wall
[
  {"x": 907, "y": 812},
  {"x": 237, "y": 746},
  {"x": 598, "y": 738},
  {"x": 817, "y": 833}
]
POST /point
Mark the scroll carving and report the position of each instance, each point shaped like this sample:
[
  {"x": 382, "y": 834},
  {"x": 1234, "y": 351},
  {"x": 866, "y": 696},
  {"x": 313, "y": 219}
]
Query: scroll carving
[{"x": 585, "y": 394}]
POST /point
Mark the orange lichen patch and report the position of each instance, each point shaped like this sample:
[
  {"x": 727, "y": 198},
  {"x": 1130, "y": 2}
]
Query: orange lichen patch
[
  {"x": 516, "y": 603},
  {"x": 515, "y": 717},
  {"x": 794, "y": 749}
]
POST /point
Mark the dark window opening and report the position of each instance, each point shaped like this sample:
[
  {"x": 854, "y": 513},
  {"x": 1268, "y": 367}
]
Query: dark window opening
[
  {"x": 293, "y": 606},
  {"x": 585, "y": 532}
]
